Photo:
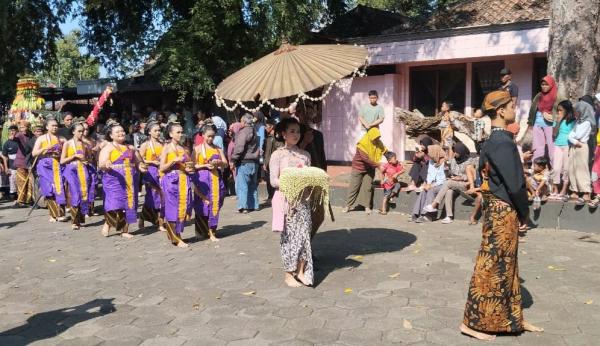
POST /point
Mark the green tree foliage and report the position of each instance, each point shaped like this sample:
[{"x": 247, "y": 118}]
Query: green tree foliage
[
  {"x": 70, "y": 65},
  {"x": 193, "y": 45},
  {"x": 411, "y": 8},
  {"x": 28, "y": 33}
]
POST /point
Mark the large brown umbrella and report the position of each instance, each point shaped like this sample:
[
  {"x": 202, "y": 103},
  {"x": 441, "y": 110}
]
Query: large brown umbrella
[{"x": 292, "y": 70}]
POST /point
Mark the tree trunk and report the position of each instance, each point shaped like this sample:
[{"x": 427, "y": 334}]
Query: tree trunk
[{"x": 574, "y": 52}]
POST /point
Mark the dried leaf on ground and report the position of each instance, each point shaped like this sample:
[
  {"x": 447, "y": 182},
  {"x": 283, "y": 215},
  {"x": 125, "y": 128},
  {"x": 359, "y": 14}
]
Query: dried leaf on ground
[
  {"x": 393, "y": 276},
  {"x": 348, "y": 290},
  {"x": 556, "y": 268},
  {"x": 406, "y": 324}
]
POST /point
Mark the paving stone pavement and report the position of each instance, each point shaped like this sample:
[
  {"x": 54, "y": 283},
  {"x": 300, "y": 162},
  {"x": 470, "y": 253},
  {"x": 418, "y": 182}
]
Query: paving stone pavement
[{"x": 381, "y": 280}]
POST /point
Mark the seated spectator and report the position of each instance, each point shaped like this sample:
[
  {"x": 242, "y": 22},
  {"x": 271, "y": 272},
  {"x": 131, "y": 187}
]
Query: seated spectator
[
  {"x": 391, "y": 186},
  {"x": 459, "y": 181},
  {"x": 436, "y": 177},
  {"x": 538, "y": 182},
  {"x": 418, "y": 172}
]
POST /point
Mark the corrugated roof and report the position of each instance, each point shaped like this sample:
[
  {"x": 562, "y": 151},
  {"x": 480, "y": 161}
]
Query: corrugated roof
[{"x": 489, "y": 12}]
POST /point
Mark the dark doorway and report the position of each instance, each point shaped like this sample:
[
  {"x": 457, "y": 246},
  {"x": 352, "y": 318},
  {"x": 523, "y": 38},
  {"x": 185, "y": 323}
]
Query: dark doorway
[
  {"x": 431, "y": 85},
  {"x": 540, "y": 70},
  {"x": 486, "y": 78}
]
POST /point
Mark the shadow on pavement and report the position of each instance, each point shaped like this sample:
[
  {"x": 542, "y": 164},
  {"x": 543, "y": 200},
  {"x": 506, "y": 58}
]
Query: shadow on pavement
[
  {"x": 332, "y": 248},
  {"x": 11, "y": 224},
  {"x": 231, "y": 230},
  {"x": 45, "y": 325}
]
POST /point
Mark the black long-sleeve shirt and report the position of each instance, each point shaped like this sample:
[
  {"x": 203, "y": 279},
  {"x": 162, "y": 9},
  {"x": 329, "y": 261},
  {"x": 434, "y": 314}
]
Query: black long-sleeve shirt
[{"x": 505, "y": 176}]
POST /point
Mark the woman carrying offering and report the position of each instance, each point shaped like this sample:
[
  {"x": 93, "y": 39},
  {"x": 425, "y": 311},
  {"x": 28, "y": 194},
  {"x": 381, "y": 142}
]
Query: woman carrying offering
[
  {"x": 210, "y": 161},
  {"x": 294, "y": 224},
  {"x": 119, "y": 163},
  {"x": 150, "y": 151},
  {"x": 175, "y": 168},
  {"x": 47, "y": 150},
  {"x": 74, "y": 160},
  {"x": 494, "y": 303}
]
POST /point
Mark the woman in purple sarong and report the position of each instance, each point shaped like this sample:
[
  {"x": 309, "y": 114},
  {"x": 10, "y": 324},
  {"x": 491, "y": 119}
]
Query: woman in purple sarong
[
  {"x": 119, "y": 163},
  {"x": 47, "y": 150},
  {"x": 150, "y": 151},
  {"x": 209, "y": 162},
  {"x": 77, "y": 176},
  {"x": 91, "y": 152},
  {"x": 175, "y": 168}
]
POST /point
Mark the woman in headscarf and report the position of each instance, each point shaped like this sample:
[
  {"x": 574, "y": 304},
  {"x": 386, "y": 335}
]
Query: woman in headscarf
[
  {"x": 418, "y": 171},
  {"x": 369, "y": 151},
  {"x": 494, "y": 303},
  {"x": 48, "y": 149},
  {"x": 542, "y": 116},
  {"x": 120, "y": 164},
  {"x": 77, "y": 175},
  {"x": 436, "y": 177},
  {"x": 579, "y": 171},
  {"x": 150, "y": 152},
  {"x": 176, "y": 166},
  {"x": 459, "y": 181}
]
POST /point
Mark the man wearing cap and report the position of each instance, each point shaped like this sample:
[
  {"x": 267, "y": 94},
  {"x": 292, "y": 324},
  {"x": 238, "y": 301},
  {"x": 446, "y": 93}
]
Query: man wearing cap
[{"x": 507, "y": 84}]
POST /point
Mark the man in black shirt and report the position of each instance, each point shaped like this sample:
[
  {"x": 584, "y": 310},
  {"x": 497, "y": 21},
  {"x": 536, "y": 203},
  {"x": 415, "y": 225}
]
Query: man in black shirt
[
  {"x": 507, "y": 84},
  {"x": 65, "y": 131}
]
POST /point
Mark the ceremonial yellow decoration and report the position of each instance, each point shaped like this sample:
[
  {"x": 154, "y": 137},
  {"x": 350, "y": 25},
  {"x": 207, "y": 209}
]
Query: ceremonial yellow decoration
[
  {"x": 27, "y": 98},
  {"x": 306, "y": 183}
]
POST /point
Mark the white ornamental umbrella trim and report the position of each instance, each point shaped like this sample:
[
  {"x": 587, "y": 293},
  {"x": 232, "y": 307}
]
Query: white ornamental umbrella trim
[{"x": 311, "y": 71}]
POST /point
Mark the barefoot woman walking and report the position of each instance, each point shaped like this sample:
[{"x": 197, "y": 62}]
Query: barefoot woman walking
[
  {"x": 494, "y": 298},
  {"x": 119, "y": 162}
]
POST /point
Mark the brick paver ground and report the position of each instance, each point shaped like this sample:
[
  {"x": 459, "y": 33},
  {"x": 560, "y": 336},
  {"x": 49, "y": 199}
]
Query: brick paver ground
[{"x": 381, "y": 280}]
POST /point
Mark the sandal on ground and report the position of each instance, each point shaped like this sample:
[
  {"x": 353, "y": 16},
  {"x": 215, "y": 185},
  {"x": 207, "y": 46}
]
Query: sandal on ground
[
  {"x": 580, "y": 201},
  {"x": 473, "y": 222},
  {"x": 594, "y": 203},
  {"x": 381, "y": 212}
]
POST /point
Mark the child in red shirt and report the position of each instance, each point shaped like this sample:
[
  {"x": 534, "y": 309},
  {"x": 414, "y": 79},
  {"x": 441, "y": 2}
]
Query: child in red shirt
[{"x": 391, "y": 186}]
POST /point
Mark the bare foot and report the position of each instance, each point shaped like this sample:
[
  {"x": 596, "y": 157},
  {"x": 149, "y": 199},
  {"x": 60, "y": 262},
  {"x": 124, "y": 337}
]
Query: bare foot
[
  {"x": 528, "y": 327},
  {"x": 302, "y": 279},
  {"x": 182, "y": 244},
  {"x": 162, "y": 229},
  {"x": 52, "y": 220},
  {"x": 62, "y": 219},
  {"x": 291, "y": 281},
  {"x": 475, "y": 334},
  {"x": 105, "y": 230},
  {"x": 75, "y": 227},
  {"x": 126, "y": 235},
  {"x": 212, "y": 236}
]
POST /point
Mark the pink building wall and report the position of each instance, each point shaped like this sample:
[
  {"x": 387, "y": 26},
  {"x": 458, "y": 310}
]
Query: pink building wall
[{"x": 340, "y": 125}]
